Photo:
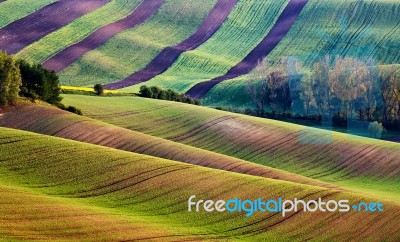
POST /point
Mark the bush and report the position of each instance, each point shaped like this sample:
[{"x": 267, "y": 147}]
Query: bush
[
  {"x": 73, "y": 109},
  {"x": 375, "y": 129},
  {"x": 98, "y": 89}
]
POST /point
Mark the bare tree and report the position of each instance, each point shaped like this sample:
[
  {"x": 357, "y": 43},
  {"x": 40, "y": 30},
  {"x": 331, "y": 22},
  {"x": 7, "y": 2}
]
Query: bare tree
[
  {"x": 307, "y": 93},
  {"x": 321, "y": 89},
  {"x": 257, "y": 88},
  {"x": 347, "y": 81}
]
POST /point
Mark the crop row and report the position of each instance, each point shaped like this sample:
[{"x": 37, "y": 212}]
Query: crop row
[
  {"x": 245, "y": 27},
  {"x": 55, "y": 42},
  {"x": 12, "y": 10},
  {"x": 35, "y": 26},
  {"x": 361, "y": 29},
  {"x": 133, "y": 49}
]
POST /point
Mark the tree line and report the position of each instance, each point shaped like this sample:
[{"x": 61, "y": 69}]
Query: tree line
[
  {"x": 335, "y": 89},
  {"x": 159, "y": 93},
  {"x": 18, "y": 78}
]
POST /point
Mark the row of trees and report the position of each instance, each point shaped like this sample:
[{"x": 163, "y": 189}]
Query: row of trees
[
  {"x": 158, "y": 93},
  {"x": 344, "y": 88}
]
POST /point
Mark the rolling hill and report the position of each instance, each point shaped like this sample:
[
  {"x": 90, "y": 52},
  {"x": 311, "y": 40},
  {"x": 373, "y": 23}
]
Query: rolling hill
[
  {"x": 357, "y": 163},
  {"x": 171, "y": 47},
  {"x": 113, "y": 190},
  {"x": 127, "y": 167},
  {"x": 55, "y": 122}
]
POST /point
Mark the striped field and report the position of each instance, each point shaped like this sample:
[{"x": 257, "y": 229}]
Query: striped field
[{"x": 349, "y": 160}]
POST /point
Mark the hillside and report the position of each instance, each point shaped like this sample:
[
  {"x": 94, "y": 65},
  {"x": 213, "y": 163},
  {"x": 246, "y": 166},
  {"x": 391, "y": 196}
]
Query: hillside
[
  {"x": 145, "y": 191},
  {"x": 363, "y": 164},
  {"x": 55, "y": 122},
  {"x": 187, "y": 54},
  {"x": 212, "y": 120}
]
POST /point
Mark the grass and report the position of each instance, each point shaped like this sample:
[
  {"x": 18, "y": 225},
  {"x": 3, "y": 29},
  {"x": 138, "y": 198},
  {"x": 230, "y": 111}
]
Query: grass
[
  {"x": 373, "y": 32},
  {"x": 245, "y": 27},
  {"x": 267, "y": 142},
  {"x": 53, "y": 43},
  {"x": 82, "y": 187},
  {"x": 13, "y": 10},
  {"x": 131, "y": 50}
]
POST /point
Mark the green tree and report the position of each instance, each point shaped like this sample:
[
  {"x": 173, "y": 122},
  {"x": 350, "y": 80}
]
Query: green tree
[
  {"x": 10, "y": 79},
  {"x": 98, "y": 89},
  {"x": 145, "y": 91},
  {"x": 37, "y": 81}
]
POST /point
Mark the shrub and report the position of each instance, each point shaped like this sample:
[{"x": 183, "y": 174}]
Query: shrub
[
  {"x": 73, "y": 109},
  {"x": 98, "y": 89},
  {"x": 375, "y": 129},
  {"x": 145, "y": 91}
]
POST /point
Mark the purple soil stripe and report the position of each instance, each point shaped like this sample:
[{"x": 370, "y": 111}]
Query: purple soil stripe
[
  {"x": 169, "y": 55},
  {"x": 277, "y": 33},
  {"x": 71, "y": 54},
  {"x": 35, "y": 26}
]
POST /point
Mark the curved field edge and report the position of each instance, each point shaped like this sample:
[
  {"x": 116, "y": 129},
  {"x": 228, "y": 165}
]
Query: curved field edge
[
  {"x": 11, "y": 11},
  {"x": 327, "y": 156},
  {"x": 58, "y": 123},
  {"x": 244, "y": 29},
  {"x": 96, "y": 39},
  {"x": 133, "y": 49},
  {"x": 29, "y": 215},
  {"x": 358, "y": 29},
  {"x": 168, "y": 56},
  {"x": 56, "y": 41},
  {"x": 36, "y": 25},
  {"x": 157, "y": 190},
  {"x": 281, "y": 27}
]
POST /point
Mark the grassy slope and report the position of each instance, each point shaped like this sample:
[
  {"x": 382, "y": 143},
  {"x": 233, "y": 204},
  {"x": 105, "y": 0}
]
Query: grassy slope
[
  {"x": 373, "y": 33},
  {"x": 53, "y": 43},
  {"x": 66, "y": 219},
  {"x": 131, "y": 50},
  {"x": 55, "y": 122},
  {"x": 123, "y": 189},
  {"x": 349, "y": 160},
  {"x": 245, "y": 27},
  {"x": 12, "y": 10},
  {"x": 373, "y": 30}
]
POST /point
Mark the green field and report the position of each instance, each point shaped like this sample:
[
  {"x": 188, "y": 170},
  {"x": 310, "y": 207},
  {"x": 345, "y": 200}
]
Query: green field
[
  {"x": 12, "y": 10},
  {"x": 124, "y": 169},
  {"x": 372, "y": 31},
  {"x": 53, "y": 43},
  {"x": 51, "y": 121},
  {"x": 131, "y": 50},
  {"x": 245, "y": 27},
  {"x": 267, "y": 142},
  {"x": 133, "y": 194},
  {"x": 361, "y": 29}
]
